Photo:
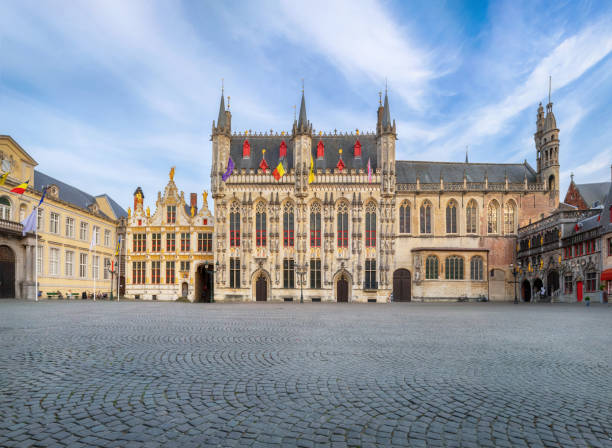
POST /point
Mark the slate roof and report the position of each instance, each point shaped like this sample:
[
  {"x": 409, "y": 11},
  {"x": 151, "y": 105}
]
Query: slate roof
[
  {"x": 72, "y": 195},
  {"x": 592, "y": 193},
  {"x": 332, "y": 144},
  {"x": 117, "y": 209},
  {"x": 429, "y": 172},
  {"x": 606, "y": 212}
]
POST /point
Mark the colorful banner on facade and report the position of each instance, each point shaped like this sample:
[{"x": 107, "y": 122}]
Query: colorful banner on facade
[
  {"x": 19, "y": 189},
  {"x": 279, "y": 171},
  {"x": 229, "y": 171}
]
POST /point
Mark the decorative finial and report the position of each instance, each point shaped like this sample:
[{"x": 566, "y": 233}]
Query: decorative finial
[
  {"x": 302, "y": 85},
  {"x": 357, "y": 131},
  {"x": 320, "y": 133},
  {"x": 572, "y": 176},
  {"x": 228, "y": 99},
  {"x": 549, "y": 87},
  {"x": 263, "y": 151},
  {"x": 246, "y": 132},
  {"x": 380, "y": 98},
  {"x": 222, "y": 87},
  {"x": 172, "y": 174},
  {"x": 385, "y": 85},
  {"x": 282, "y": 132},
  {"x": 340, "y": 150}
]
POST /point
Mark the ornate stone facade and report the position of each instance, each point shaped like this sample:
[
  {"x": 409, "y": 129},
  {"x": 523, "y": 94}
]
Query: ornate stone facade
[
  {"x": 170, "y": 252},
  {"x": 367, "y": 225}
]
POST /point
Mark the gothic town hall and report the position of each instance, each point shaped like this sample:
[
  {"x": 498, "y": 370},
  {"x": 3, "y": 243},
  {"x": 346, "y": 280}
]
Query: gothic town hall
[{"x": 335, "y": 217}]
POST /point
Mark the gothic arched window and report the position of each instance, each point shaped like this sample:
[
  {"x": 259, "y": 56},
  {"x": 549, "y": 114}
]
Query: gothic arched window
[
  {"x": 493, "y": 217},
  {"x": 476, "y": 268},
  {"x": 425, "y": 217},
  {"x": 431, "y": 268},
  {"x": 234, "y": 225},
  {"x": 471, "y": 217},
  {"x": 288, "y": 225},
  {"x": 454, "y": 268},
  {"x": 315, "y": 225},
  {"x": 451, "y": 217},
  {"x": 404, "y": 217},
  {"x": 370, "y": 224},
  {"x": 509, "y": 217},
  {"x": 342, "y": 224},
  {"x": 260, "y": 224}
]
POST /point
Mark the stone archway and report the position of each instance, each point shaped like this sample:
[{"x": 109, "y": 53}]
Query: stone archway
[
  {"x": 552, "y": 283},
  {"x": 204, "y": 284},
  {"x": 402, "y": 286},
  {"x": 526, "y": 291},
  {"x": 342, "y": 286},
  {"x": 7, "y": 273},
  {"x": 537, "y": 287},
  {"x": 261, "y": 285}
]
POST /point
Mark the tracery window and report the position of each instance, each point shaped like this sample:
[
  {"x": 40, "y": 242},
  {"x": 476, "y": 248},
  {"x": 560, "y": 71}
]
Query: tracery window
[
  {"x": 509, "y": 217},
  {"x": 451, "y": 217},
  {"x": 493, "y": 217},
  {"x": 476, "y": 268},
  {"x": 260, "y": 224},
  {"x": 234, "y": 225},
  {"x": 454, "y": 268},
  {"x": 370, "y": 224},
  {"x": 288, "y": 225},
  {"x": 404, "y": 217},
  {"x": 342, "y": 225},
  {"x": 425, "y": 217},
  {"x": 471, "y": 217},
  {"x": 431, "y": 267},
  {"x": 315, "y": 225}
]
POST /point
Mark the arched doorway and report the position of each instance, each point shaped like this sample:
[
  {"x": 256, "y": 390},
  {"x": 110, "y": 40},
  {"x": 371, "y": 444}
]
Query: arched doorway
[
  {"x": 261, "y": 287},
  {"x": 537, "y": 287},
  {"x": 401, "y": 286},
  {"x": 552, "y": 281},
  {"x": 184, "y": 289},
  {"x": 526, "y": 291},
  {"x": 342, "y": 288},
  {"x": 7, "y": 273},
  {"x": 204, "y": 285}
]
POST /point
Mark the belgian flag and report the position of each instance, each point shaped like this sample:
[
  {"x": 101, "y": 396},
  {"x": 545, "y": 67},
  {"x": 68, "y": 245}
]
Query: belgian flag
[
  {"x": 279, "y": 171},
  {"x": 19, "y": 189}
]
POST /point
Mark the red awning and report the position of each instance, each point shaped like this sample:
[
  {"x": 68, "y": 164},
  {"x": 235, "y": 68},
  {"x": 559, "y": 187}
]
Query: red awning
[{"x": 606, "y": 275}]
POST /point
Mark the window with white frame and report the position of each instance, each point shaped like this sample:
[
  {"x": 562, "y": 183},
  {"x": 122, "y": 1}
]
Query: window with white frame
[
  {"x": 69, "y": 266},
  {"x": 107, "y": 264},
  {"x": 40, "y": 219},
  {"x": 54, "y": 260},
  {"x": 96, "y": 235},
  {"x": 5, "y": 208},
  {"x": 70, "y": 227},
  {"x": 95, "y": 267},
  {"x": 107, "y": 238},
  {"x": 83, "y": 231},
  {"x": 83, "y": 265},
  {"x": 54, "y": 223}
]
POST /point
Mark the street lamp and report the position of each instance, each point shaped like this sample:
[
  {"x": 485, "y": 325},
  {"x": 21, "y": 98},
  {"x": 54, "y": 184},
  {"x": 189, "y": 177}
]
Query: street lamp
[
  {"x": 111, "y": 269},
  {"x": 302, "y": 269},
  {"x": 514, "y": 273}
]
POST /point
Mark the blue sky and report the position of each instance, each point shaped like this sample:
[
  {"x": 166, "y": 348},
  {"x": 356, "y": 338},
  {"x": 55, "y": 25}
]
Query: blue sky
[{"x": 108, "y": 95}]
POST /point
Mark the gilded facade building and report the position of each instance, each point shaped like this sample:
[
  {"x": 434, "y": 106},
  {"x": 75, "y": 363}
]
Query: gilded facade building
[
  {"x": 69, "y": 219},
  {"x": 368, "y": 225},
  {"x": 169, "y": 252}
]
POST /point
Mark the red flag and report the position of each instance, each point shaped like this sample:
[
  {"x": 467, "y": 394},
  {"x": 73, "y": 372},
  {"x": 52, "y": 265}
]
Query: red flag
[
  {"x": 246, "y": 149},
  {"x": 282, "y": 151},
  {"x": 320, "y": 150},
  {"x": 340, "y": 165},
  {"x": 263, "y": 165}
]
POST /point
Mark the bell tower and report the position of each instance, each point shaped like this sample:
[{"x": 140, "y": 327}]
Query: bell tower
[
  {"x": 385, "y": 147},
  {"x": 547, "y": 146},
  {"x": 221, "y": 135},
  {"x": 302, "y": 147}
]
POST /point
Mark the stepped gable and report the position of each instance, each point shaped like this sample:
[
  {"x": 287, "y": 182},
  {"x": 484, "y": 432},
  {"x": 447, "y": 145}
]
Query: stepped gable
[{"x": 430, "y": 172}]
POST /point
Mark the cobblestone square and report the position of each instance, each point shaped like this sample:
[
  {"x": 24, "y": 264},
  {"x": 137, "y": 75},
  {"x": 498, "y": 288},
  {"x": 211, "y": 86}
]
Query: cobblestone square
[{"x": 168, "y": 374}]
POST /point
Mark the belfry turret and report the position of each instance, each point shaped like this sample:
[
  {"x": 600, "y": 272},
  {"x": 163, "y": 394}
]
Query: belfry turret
[
  {"x": 221, "y": 134},
  {"x": 385, "y": 146},
  {"x": 547, "y": 147},
  {"x": 302, "y": 147}
]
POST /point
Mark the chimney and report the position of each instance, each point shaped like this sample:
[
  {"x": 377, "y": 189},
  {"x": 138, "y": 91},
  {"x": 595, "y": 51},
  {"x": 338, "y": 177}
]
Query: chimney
[{"x": 194, "y": 201}]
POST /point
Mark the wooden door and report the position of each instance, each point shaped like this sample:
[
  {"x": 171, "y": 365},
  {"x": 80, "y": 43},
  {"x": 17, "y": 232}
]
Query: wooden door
[
  {"x": 401, "y": 286},
  {"x": 579, "y": 291},
  {"x": 7, "y": 273},
  {"x": 261, "y": 289},
  {"x": 342, "y": 289}
]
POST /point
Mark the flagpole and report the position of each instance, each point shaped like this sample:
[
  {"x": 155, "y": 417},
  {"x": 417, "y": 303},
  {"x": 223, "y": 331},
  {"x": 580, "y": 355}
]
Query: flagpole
[
  {"x": 36, "y": 259},
  {"x": 119, "y": 267}
]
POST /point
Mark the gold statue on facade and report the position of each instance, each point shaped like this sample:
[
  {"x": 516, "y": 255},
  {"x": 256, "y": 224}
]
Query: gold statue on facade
[
  {"x": 205, "y": 199},
  {"x": 172, "y": 174},
  {"x": 148, "y": 212}
]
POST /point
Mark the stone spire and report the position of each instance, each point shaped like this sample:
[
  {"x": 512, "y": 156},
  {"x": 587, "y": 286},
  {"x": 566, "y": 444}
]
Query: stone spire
[
  {"x": 222, "y": 119},
  {"x": 385, "y": 125},
  {"x": 302, "y": 126},
  {"x": 224, "y": 123}
]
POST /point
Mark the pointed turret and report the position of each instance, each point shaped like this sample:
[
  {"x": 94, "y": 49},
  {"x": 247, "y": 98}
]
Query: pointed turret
[
  {"x": 385, "y": 125},
  {"x": 302, "y": 126},
  {"x": 224, "y": 119}
]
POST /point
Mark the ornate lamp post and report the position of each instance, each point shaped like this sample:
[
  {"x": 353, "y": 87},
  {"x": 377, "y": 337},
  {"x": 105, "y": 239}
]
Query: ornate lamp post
[
  {"x": 302, "y": 269},
  {"x": 515, "y": 273},
  {"x": 111, "y": 269}
]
